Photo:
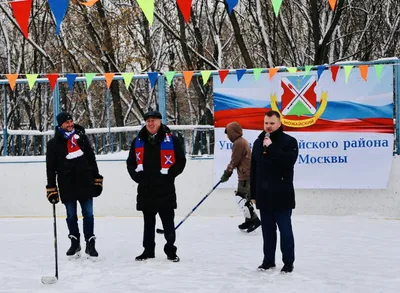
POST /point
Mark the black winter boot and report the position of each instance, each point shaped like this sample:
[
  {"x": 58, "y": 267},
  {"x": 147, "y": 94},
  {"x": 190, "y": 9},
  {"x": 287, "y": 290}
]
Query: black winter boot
[
  {"x": 245, "y": 225},
  {"x": 75, "y": 245},
  {"x": 90, "y": 247},
  {"x": 145, "y": 255},
  {"x": 287, "y": 268},
  {"x": 266, "y": 266},
  {"x": 254, "y": 224},
  {"x": 173, "y": 257}
]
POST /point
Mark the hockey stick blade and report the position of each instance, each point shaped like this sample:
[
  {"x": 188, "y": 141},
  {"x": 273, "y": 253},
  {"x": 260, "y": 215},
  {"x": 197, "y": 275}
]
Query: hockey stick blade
[
  {"x": 49, "y": 280},
  {"x": 160, "y": 231}
]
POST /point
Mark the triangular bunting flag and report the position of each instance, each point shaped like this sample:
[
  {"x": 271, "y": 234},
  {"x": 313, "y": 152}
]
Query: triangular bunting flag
[
  {"x": 307, "y": 69},
  {"x": 109, "y": 78},
  {"x": 89, "y": 3},
  {"x": 52, "y": 77},
  {"x": 89, "y": 78},
  {"x": 22, "y": 11},
  {"x": 127, "y": 78},
  {"x": 320, "y": 70},
  {"x": 205, "y": 74},
  {"x": 332, "y": 4},
  {"x": 147, "y": 7},
  {"x": 364, "y": 71},
  {"x": 272, "y": 72},
  {"x": 12, "y": 80},
  {"x": 334, "y": 71},
  {"x": 169, "y": 75},
  {"x": 187, "y": 75},
  {"x": 153, "y": 78},
  {"x": 70, "y": 80},
  {"x": 378, "y": 71},
  {"x": 59, "y": 9},
  {"x": 185, "y": 6},
  {"x": 240, "y": 73},
  {"x": 276, "y": 4},
  {"x": 223, "y": 74},
  {"x": 347, "y": 70},
  {"x": 231, "y": 4},
  {"x": 292, "y": 69},
  {"x": 31, "y": 80},
  {"x": 257, "y": 73}
]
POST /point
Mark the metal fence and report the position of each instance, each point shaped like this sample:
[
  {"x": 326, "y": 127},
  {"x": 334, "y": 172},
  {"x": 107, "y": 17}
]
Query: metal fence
[{"x": 197, "y": 140}]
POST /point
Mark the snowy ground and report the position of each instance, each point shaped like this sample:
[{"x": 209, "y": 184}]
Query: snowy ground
[{"x": 334, "y": 254}]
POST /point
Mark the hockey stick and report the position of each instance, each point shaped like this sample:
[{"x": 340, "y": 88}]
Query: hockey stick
[
  {"x": 161, "y": 231},
  {"x": 53, "y": 280}
]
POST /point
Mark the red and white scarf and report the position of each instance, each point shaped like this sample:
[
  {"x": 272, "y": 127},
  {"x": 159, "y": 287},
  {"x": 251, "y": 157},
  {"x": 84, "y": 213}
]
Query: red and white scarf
[
  {"x": 74, "y": 151},
  {"x": 167, "y": 154}
]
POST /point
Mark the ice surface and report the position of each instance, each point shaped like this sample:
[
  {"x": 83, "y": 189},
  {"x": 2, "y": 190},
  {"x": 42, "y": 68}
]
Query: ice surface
[{"x": 333, "y": 254}]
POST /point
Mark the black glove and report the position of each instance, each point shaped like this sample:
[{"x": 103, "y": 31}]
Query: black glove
[
  {"x": 225, "y": 177},
  {"x": 52, "y": 194},
  {"x": 98, "y": 185}
]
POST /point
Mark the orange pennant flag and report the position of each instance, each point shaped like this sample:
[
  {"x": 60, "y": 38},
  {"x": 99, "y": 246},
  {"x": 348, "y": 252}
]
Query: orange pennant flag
[
  {"x": 109, "y": 77},
  {"x": 187, "y": 75},
  {"x": 332, "y": 3},
  {"x": 12, "y": 80},
  {"x": 364, "y": 71},
  {"x": 90, "y": 3},
  {"x": 272, "y": 72}
]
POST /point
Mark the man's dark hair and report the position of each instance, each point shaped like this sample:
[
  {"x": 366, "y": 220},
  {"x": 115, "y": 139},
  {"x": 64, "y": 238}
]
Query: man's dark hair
[{"x": 273, "y": 113}]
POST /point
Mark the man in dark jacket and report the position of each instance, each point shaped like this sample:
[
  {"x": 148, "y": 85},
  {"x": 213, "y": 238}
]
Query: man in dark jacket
[
  {"x": 272, "y": 168},
  {"x": 71, "y": 165},
  {"x": 155, "y": 159},
  {"x": 240, "y": 160}
]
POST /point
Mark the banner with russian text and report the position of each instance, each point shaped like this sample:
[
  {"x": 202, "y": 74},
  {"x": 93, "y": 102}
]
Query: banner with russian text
[{"x": 345, "y": 130}]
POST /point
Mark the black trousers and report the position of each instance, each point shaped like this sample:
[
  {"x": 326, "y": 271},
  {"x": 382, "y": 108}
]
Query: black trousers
[
  {"x": 269, "y": 221},
  {"x": 167, "y": 218}
]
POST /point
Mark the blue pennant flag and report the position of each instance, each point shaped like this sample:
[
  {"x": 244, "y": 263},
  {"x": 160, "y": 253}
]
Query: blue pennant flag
[
  {"x": 70, "y": 80},
  {"x": 153, "y": 78},
  {"x": 231, "y": 4},
  {"x": 59, "y": 9},
  {"x": 320, "y": 70},
  {"x": 240, "y": 73}
]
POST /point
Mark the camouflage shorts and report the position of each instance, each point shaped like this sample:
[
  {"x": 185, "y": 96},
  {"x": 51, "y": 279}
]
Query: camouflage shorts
[{"x": 243, "y": 189}]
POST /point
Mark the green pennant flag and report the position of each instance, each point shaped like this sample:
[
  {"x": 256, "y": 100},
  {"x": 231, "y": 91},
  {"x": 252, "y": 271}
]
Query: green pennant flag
[
  {"x": 31, "y": 79},
  {"x": 276, "y": 4},
  {"x": 127, "y": 78},
  {"x": 307, "y": 69},
  {"x": 257, "y": 73},
  {"x": 378, "y": 71},
  {"x": 292, "y": 69},
  {"x": 205, "y": 74},
  {"x": 147, "y": 7},
  {"x": 347, "y": 70},
  {"x": 169, "y": 75},
  {"x": 89, "y": 78}
]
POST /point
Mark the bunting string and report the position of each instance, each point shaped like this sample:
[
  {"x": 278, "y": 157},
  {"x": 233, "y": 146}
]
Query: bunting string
[{"x": 364, "y": 71}]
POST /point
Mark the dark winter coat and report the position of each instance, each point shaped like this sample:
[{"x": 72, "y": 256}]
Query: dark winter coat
[
  {"x": 271, "y": 175},
  {"x": 155, "y": 191},
  {"x": 75, "y": 176}
]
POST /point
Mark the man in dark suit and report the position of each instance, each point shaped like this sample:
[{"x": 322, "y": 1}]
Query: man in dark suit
[{"x": 272, "y": 168}]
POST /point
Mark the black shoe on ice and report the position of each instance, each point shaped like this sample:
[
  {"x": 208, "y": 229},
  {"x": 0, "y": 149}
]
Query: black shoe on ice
[
  {"x": 90, "y": 247},
  {"x": 74, "y": 250},
  {"x": 173, "y": 258},
  {"x": 144, "y": 256},
  {"x": 253, "y": 225}
]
